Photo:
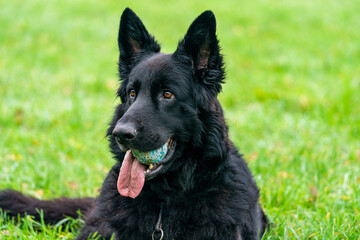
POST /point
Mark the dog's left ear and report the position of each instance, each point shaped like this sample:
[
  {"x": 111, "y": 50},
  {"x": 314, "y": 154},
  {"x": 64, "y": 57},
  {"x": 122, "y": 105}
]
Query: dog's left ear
[
  {"x": 202, "y": 46},
  {"x": 133, "y": 40}
]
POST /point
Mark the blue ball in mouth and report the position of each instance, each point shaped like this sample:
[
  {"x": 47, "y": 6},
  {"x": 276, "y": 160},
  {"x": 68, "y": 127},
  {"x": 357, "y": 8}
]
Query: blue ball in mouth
[{"x": 153, "y": 156}]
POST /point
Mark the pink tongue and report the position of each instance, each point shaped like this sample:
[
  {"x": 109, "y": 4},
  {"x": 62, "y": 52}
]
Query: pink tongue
[{"x": 131, "y": 177}]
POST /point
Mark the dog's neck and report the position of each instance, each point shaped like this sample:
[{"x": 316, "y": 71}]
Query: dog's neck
[{"x": 215, "y": 141}]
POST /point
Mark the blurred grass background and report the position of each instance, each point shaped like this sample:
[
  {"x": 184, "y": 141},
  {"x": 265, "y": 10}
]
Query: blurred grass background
[{"x": 292, "y": 102}]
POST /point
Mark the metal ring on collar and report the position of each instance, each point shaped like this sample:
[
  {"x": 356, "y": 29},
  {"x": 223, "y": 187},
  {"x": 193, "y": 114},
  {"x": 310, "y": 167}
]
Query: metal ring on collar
[{"x": 161, "y": 231}]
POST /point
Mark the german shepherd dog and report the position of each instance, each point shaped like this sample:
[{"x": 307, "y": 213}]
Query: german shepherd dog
[{"x": 202, "y": 187}]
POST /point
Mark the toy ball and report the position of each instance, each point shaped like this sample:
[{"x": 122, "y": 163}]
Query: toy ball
[{"x": 151, "y": 157}]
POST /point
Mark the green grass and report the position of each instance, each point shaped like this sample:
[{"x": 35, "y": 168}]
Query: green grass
[{"x": 292, "y": 102}]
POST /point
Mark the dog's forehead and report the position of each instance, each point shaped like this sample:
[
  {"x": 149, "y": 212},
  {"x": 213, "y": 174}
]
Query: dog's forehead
[
  {"x": 157, "y": 61},
  {"x": 162, "y": 71},
  {"x": 152, "y": 67}
]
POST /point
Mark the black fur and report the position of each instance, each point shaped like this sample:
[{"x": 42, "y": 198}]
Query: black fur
[
  {"x": 206, "y": 189},
  {"x": 53, "y": 210}
]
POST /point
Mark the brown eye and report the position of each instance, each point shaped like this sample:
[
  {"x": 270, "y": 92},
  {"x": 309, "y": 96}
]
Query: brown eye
[
  {"x": 168, "y": 95},
  {"x": 132, "y": 93}
]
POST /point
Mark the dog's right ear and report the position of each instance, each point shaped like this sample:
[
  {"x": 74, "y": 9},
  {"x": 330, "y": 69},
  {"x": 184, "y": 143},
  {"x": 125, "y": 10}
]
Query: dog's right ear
[
  {"x": 201, "y": 49},
  {"x": 133, "y": 40}
]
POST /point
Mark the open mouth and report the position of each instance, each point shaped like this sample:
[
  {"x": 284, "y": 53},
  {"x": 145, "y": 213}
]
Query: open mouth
[
  {"x": 155, "y": 159},
  {"x": 140, "y": 166}
]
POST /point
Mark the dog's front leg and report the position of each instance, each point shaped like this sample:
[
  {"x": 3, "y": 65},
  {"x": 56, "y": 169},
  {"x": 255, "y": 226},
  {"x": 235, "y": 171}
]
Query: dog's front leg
[{"x": 94, "y": 227}]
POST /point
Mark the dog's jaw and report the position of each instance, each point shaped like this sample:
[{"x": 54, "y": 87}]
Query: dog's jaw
[
  {"x": 157, "y": 167},
  {"x": 132, "y": 174}
]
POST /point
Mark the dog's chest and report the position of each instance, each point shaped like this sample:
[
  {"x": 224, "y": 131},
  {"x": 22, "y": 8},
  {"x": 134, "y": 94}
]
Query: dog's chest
[{"x": 175, "y": 221}]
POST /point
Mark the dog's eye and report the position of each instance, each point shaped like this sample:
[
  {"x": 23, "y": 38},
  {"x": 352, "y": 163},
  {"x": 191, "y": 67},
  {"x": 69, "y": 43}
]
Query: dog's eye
[
  {"x": 168, "y": 95},
  {"x": 132, "y": 93}
]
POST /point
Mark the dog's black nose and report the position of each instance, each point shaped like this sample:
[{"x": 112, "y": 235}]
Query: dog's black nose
[{"x": 124, "y": 133}]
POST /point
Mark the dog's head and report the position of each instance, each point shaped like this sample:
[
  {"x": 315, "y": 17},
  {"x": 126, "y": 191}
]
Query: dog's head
[{"x": 163, "y": 96}]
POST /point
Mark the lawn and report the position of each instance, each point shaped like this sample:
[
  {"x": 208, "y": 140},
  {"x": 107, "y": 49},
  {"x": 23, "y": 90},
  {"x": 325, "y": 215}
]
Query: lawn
[{"x": 292, "y": 102}]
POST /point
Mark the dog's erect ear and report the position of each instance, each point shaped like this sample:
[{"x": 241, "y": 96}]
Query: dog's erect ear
[
  {"x": 202, "y": 46},
  {"x": 133, "y": 40}
]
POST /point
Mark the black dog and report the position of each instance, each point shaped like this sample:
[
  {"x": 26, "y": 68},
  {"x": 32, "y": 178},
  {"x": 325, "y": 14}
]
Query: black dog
[{"x": 202, "y": 188}]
